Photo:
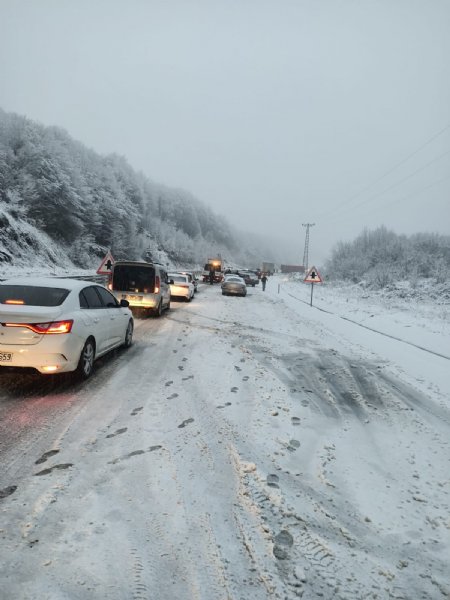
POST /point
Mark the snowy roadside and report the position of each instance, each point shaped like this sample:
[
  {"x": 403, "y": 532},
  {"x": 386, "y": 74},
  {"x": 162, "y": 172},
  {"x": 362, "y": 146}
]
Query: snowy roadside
[
  {"x": 416, "y": 320},
  {"x": 421, "y": 324}
]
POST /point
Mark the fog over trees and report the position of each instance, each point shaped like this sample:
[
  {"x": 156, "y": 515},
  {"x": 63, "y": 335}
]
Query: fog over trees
[{"x": 86, "y": 203}]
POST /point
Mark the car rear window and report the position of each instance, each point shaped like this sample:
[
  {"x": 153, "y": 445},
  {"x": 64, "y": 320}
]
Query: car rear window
[
  {"x": 178, "y": 278},
  {"x": 134, "y": 278},
  {"x": 32, "y": 295}
]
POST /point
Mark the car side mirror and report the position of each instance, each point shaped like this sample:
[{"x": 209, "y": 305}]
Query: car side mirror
[
  {"x": 124, "y": 303},
  {"x": 171, "y": 281}
]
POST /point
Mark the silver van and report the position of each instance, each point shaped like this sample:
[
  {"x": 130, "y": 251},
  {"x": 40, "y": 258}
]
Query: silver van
[{"x": 145, "y": 285}]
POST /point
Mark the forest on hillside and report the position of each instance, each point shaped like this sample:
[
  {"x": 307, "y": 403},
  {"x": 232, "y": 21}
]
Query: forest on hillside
[
  {"x": 381, "y": 257},
  {"x": 86, "y": 203}
]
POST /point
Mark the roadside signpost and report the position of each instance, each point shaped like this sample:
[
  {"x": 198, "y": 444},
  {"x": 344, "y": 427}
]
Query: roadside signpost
[
  {"x": 312, "y": 277},
  {"x": 106, "y": 265}
]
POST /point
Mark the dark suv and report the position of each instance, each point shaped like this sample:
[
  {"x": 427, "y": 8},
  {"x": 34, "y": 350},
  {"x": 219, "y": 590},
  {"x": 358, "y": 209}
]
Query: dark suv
[{"x": 249, "y": 277}]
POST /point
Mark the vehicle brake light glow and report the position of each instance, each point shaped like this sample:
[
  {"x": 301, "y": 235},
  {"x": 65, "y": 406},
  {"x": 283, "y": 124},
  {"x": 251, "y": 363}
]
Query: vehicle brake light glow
[
  {"x": 157, "y": 284},
  {"x": 50, "y": 368},
  {"x": 14, "y": 302},
  {"x": 44, "y": 328}
]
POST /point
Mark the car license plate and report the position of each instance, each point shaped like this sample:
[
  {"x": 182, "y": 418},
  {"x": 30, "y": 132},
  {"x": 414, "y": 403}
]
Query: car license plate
[
  {"x": 130, "y": 297},
  {"x": 6, "y": 356}
]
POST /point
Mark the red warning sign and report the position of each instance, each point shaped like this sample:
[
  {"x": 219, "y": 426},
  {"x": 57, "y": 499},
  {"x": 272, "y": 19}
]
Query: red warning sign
[
  {"x": 106, "y": 265},
  {"x": 313, "y": 276}
]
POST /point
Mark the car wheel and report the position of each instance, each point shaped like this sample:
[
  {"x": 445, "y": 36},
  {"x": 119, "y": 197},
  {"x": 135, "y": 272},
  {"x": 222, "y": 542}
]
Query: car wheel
[
  {"x": 188, "y": 298},
  {"x": 168, "y": 305},
  {"x": 158, "y": 311},
  {"x": 86, "y": 362},
  {"x": 129, "y": 334}
]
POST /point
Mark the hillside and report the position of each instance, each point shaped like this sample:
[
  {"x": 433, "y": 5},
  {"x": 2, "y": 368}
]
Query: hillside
[{"x": 63, "y": 205}]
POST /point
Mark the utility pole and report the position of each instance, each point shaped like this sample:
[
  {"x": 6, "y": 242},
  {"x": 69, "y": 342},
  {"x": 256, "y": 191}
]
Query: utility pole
[{"x": 305, "y": 253}]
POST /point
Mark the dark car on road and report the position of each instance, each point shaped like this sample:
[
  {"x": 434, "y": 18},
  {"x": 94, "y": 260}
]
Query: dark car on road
[
  {"x": 233, "y": 285},
  {"x": 249, "y": 277}
]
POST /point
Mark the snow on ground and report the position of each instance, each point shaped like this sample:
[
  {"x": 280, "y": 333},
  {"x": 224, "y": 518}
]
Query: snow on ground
[
  {"x": 419, "y": 324},
  {"x": 245, "y": 448}
]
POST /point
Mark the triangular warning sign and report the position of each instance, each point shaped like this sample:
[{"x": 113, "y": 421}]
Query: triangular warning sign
[
  {"x": 313, "y": 276},
  {"x": 106, "y": 265}
]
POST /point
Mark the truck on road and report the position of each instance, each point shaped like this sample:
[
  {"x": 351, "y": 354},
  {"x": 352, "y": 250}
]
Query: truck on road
[
  {"x": 292, "y": 268},
  {"x": 268, "y": 268},
  {"x": 216, "y": 265}
]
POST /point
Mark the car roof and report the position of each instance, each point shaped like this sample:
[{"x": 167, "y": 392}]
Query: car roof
[
  {"x": 138, "y": 263},
  {"x": 50, "y": 282}
]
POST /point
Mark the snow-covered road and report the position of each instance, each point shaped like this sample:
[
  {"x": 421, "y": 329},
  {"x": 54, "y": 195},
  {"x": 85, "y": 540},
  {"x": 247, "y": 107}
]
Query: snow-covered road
[{"x": 243, "y": 448}]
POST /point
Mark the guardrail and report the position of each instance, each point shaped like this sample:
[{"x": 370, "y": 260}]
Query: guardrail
[{"x": 94, "y": 278}]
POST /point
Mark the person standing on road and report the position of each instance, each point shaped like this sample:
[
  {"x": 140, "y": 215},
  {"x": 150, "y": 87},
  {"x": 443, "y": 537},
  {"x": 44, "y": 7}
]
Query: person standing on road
[
  {"x": 264, "y": 281},
  {"x": 211, "y": 276}
]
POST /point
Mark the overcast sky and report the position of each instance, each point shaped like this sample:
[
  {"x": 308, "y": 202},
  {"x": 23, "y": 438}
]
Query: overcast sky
[{"x": 273, "y": 112}]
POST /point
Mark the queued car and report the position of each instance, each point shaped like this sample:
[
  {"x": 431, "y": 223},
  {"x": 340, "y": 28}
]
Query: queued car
[
  {"x": 249, "y": 277},
  {"x": 60, "y": 325},
  {"x": 180, "y": 286},
  {"x": 233, "y": 285},
  {"x": 192, "y": 278},
  {"x": 144, "y": 285}
]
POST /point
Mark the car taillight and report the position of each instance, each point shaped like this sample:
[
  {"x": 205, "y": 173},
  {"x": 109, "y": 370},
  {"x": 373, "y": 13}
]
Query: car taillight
[
  {"x": 157, "y": 284},
  {"x": 43, "y": 328}
]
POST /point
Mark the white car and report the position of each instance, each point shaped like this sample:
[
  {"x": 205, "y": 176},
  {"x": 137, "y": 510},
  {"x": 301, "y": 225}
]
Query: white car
[
  {"x": 181, "y": 286},
  {"x": 192, "y": 277},
  {"x": 60, "y": 325}
]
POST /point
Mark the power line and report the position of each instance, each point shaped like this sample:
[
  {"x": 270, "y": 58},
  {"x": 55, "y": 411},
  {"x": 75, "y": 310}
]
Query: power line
[
  {"x": 394, "y": 185},
  {"x": 389, "y": 202},
  {"x": 392, "y": 169},
  {"x": 414, "y": 193}
]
